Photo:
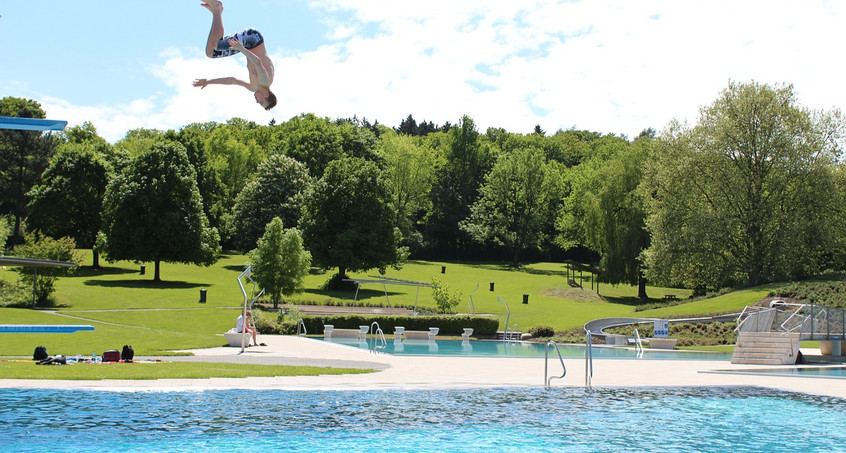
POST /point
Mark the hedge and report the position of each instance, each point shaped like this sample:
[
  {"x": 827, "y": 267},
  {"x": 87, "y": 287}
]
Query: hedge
[{"x": 448, "y": 325}]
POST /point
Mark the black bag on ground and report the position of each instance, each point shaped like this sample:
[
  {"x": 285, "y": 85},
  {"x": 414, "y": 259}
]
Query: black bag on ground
[
  {"x": 127, "y": 354},
  {"x": 40, "y": 353}
]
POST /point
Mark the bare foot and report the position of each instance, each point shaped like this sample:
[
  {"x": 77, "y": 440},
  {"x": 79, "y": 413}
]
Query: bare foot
[{"x": 215, "y": 6}]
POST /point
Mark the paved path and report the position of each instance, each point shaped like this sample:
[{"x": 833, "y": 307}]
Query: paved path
[{"x": 421, "y": 372}]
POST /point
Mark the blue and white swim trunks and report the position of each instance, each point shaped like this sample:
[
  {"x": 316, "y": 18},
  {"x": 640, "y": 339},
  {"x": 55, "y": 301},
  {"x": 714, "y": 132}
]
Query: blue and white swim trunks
[{"x": 249, "y": 37}]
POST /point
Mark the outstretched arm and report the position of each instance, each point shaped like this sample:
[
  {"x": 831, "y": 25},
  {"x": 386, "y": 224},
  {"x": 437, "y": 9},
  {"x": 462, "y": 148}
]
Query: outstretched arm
[{"x": 202, "y": 83}]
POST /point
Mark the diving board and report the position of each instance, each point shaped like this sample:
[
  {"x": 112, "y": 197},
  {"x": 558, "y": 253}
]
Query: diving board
[
  {"x": 31, "y": 124},
  {"x": 43, "y": 328}
]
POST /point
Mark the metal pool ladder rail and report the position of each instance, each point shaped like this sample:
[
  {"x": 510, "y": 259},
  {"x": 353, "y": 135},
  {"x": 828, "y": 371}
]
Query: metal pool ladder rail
[
  {"x": 378, "y": 338},
  {"x": 547, "y": 380},
  {"x": 301, "y": 328},
  {"x": 588, "y": 359}
]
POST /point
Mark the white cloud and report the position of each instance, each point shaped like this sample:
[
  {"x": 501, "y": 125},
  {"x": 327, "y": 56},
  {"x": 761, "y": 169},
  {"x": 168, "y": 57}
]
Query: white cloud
[{"x": 609, "y": 66}]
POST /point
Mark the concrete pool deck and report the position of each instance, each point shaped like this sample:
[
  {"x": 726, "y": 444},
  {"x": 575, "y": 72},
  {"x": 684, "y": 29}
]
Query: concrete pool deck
[{"x": 430, "y": 372}]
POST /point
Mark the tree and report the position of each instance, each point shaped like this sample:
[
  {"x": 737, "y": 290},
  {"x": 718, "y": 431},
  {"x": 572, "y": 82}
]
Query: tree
[
  {"x": 280, "y": 263},
  {"x": 43, "y": 279},
  {"x": 278, "y": 191},
  {"x": 24, "y": 155},
  {"x": 348, "y": 221},
  {"x": 409, "y": 172},
  {"x": 70, "y": 199},
  {"x": 152, "y": 212},
  {"x": 612, "y": 214},
  {"x": 749, "y": 195},
  {"x": 457, "y": 183},
  {"x": 5, "y": 232},
  {"x": 517, "y": 203},
  {"x": 311, "y": 140}
]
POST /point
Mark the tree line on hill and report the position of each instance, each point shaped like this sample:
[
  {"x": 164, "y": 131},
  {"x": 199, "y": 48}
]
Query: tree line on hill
[{"x": 753, "y": 192}]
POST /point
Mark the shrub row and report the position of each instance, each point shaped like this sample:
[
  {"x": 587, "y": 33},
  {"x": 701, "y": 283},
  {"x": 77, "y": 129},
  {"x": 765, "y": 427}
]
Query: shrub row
[{"x": 448, "y": 325}]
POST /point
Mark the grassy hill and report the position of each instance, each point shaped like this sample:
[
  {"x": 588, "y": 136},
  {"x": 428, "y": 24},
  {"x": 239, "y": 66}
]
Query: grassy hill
[{"x": 129, "y": 308}]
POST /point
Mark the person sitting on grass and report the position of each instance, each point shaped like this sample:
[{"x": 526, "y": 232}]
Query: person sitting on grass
[{"x": 250, "y": 327}]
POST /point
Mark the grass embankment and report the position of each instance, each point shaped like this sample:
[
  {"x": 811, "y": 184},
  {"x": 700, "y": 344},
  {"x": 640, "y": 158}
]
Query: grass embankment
[
  {"x": 157, "y": 318},
  {"x": 25, "y": 369}
]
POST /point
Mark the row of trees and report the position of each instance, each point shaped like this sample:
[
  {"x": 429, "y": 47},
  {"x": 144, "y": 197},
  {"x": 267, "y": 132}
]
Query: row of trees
[{"x": 751, "y": 193}]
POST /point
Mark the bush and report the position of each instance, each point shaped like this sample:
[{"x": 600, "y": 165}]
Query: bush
[
  {"x": 448, "y": 325},
  {"x": 45, "y": 248},
  {"x": 542, "y": 331},
  {"x": 283, "y": 323},
  {"x": 445, "y": 300}
]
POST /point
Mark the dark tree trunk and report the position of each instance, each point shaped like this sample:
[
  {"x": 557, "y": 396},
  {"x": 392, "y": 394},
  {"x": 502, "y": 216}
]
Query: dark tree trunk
[
  {"x": 641, "y": 288},
  {"x": 157, "y": 277}
]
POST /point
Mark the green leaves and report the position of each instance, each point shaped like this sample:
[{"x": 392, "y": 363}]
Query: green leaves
[
  {"x": 153, "y": 211},
  {"x": 280, "y": 263}
]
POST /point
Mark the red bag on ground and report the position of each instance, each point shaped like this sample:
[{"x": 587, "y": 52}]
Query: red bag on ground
[{"x": 111, "y": 356}]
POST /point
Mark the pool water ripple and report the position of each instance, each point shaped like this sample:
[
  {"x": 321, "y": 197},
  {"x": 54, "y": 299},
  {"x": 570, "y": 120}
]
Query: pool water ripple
[{"x": 508, "y": 419}]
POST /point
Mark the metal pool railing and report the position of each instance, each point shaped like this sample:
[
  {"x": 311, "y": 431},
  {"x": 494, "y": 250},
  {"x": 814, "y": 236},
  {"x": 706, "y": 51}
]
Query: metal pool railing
[
  {"x": 588, "y": 359},
  {"x": 546, "y": 379},
  {"x": 301, "y": 328},
  {"x": 377, "y": 337}
]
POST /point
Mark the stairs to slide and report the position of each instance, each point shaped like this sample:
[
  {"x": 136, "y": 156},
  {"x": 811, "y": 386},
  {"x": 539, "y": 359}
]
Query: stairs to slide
[
  {"x": 766, "y": 348},
  {"x": 512, "y": 336}
]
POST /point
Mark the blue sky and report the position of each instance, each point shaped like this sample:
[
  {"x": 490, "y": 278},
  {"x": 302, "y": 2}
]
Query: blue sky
[{"x": 609, "y": 66}]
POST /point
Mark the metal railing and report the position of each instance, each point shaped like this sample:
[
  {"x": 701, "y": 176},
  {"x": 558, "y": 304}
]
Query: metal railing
[
  {"x": 248, "y": 304},
  {"x": 588, "y": 359},
  {"x": 472, "y": 304},
  {"x": 301, "y": 328},
  {"x": 507, "y": 319},
  {"x": 812, "y": 322},
  {"x": 638, "y": 344},
  {"x": 377, "y": 341},
  {"x": 547, "y": 380}
]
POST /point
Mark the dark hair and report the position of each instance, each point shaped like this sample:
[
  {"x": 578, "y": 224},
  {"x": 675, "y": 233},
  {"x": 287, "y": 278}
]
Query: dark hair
[{"x": 271, "y": 100}]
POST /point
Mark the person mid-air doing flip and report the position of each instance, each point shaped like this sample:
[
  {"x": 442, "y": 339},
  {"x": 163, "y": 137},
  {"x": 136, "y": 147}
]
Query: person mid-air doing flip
[{"x": 248, "y": 42}]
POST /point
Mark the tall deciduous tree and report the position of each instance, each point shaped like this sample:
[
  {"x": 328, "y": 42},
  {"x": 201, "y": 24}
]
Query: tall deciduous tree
[
  {"x": 456, "y": 187},
  {"x": 311, "y": 140},
  {"x": 24, "y": 155},
  {"x": 748, "y": 195},
  {"x": 69, "y": 201},
  {"x": 517, "y": 204},
  {"x": 409, "y": 172},
  {"x": 278, "y": 191},
  {"x": 152, "y": 211},
  {"x": 615, "y": 216},
  {"x": 349, "y": 222},
  {"x": 280, "y": 263}
]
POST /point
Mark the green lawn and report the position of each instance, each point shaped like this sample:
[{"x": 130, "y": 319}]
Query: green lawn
[{"x": 156, "y": 318}]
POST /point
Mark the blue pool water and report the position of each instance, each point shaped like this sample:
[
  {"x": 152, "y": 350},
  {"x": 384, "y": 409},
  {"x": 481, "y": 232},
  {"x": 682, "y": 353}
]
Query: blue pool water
[
  {"x": 466, "y": 420},
  {"x": 836, "y": 372},
  {"x": 499, "y": 348}
]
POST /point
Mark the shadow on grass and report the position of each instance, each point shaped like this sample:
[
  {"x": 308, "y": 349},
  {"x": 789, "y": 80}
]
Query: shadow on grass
[
  {"x": 506, "y": 267},
  {"x": 88, "y": 271},
  {"x": 146, "y": 284},
  {"x": 235, "y": 267},
  {"x": 348, "y": 295},
  {"x": 630, "y": 301}
]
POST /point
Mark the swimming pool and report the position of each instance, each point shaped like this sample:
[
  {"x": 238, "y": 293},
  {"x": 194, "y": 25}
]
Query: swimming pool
[
  {"x": 836, "y": 372},
  {"x": 523, "y": 349},
  {"x": 467, "y": 420}
]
